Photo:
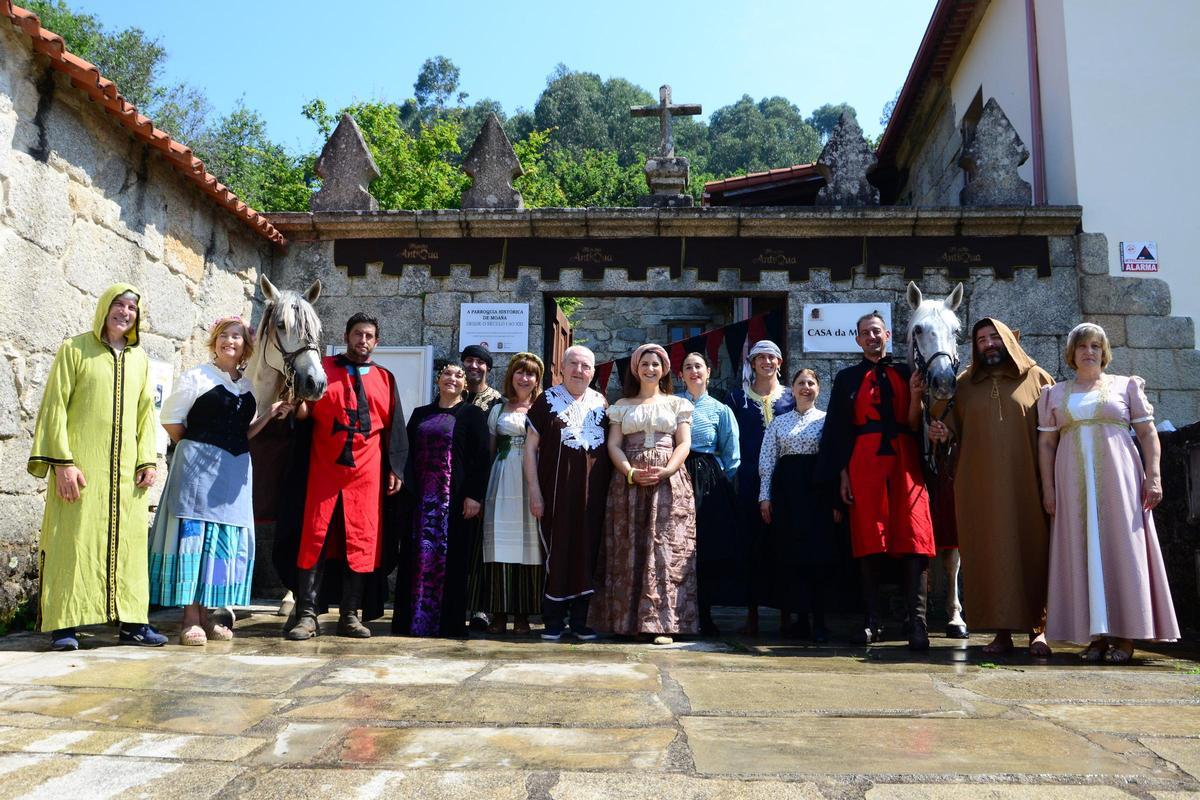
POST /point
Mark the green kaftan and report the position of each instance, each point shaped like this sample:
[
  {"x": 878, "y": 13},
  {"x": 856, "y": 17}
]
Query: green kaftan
[{"x": 98, "y": 414}]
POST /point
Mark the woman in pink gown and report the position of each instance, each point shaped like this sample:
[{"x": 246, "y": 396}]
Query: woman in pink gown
[{"x": 1108, "y": 585}]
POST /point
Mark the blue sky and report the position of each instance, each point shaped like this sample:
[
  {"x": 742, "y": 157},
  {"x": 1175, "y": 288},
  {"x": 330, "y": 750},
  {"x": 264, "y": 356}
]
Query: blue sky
[{"x": 275, "y": 55}]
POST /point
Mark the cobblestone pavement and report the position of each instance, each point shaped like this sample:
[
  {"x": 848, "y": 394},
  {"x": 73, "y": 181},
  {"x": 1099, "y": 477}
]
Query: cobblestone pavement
[{"x": 261, "y": 717}]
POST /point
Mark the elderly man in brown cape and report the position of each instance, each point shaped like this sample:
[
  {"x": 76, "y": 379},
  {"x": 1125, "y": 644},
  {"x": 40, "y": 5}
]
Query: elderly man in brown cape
[{"x": 1003, "y": 533}]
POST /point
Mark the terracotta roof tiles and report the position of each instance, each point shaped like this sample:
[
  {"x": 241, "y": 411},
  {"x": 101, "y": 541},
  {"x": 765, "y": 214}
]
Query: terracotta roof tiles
[{"x": 86, "y": 77}]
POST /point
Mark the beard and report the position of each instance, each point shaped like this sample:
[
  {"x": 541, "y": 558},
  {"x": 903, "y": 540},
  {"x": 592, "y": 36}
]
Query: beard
[{"x": 994, "y": 358}]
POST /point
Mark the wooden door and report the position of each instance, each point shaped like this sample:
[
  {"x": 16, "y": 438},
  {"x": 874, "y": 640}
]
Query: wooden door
[{"x": 558, "y": 339}]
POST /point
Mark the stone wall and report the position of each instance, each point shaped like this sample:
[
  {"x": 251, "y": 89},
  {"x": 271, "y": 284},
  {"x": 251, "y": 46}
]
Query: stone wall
[
  {"x": 84, "y": 205},
  {"x": 934, "y": 177}
]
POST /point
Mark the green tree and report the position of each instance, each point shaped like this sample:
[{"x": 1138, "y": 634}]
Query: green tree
[
  {"x": 436, "y": 83},
  {"x": 591, "y": 178},
  {"x": 752, "y": 137},
  {"x": 263, "y": 174},
  {"x": 823, "y": 119}
]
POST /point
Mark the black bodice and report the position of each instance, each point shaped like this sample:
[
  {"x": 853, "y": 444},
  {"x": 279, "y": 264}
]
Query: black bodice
[{"x": 221, "y": 418}]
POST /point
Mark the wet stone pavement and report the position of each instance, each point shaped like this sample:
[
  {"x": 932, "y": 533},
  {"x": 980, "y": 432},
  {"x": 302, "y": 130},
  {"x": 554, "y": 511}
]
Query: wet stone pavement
[{"x": 261, "y": 717}]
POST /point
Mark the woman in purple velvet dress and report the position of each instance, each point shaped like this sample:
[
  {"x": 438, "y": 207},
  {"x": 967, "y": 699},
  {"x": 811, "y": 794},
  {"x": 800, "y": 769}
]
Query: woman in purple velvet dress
[{"x": 446, "y": 480}]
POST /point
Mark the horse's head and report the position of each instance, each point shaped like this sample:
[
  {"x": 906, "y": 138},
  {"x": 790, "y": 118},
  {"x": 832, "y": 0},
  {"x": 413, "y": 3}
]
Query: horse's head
[
  {"x": 290, "y": 338},
  {"x": 933, "y": 339}
]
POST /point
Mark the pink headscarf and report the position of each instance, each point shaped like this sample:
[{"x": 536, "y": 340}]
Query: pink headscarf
[{"x": 649, "y": 348}]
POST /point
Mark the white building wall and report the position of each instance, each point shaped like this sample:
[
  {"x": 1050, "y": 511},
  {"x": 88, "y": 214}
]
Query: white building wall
[{"x": 1133, "y": 71}]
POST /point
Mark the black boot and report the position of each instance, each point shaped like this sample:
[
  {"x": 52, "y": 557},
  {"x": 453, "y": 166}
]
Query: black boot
[
  {"x": 916, "y": 593},
  {"x": 308, "y": 590},
  {"x": 872, "y": 629},
  {"x": 352, "y": 592}
]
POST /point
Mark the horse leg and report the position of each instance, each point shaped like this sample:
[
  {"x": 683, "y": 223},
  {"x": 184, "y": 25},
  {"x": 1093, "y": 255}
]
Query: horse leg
[
  {"x": 955, "y": 628},
  {"x": 286, "y": 605}
]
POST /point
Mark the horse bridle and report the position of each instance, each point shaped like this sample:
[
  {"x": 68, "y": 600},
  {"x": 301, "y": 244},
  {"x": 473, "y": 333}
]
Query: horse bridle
[
  {"x": 922, "y": 366},
  {"x": 289, "y": 361}
]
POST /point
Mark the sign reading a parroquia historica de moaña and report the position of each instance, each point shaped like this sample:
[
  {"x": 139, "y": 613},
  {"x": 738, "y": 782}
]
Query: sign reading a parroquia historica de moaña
[
  {"x": 830, "y": 327},
  {"x": 500, "y": 327}
]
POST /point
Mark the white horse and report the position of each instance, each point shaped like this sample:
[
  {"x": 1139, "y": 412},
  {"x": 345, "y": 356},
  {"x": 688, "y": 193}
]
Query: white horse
[
  {"x": 287, "y": 356},
  {"x": 933, "y": 351},
  {"x": 287, "y": 359}
]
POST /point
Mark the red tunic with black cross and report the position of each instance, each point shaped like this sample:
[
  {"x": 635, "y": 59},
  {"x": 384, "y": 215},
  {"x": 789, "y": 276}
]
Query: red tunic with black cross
[
  {"x": 358, "y": 435},
  {"x": 867, "y": 434}
]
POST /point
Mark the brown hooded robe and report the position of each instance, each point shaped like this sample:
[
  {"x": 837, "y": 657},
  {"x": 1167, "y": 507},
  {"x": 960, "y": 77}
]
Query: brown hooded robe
[{"x": 1003, "y": 534}]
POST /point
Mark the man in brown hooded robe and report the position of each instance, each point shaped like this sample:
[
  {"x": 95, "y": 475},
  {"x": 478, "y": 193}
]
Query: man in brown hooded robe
[{"x": 1003, "y": 534}]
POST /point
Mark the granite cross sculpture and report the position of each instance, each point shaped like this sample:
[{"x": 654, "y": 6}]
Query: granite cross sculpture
[{"x": 664, "y": 111}]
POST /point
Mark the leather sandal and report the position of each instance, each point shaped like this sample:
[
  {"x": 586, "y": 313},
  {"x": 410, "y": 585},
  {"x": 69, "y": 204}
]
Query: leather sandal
[
  {"x": 1095, "y": 651},
  {"x": 1119, "y": 653}
]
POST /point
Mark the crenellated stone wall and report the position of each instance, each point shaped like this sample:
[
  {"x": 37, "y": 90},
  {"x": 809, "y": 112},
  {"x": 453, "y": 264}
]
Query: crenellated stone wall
[{"x": 84, "y": 205}]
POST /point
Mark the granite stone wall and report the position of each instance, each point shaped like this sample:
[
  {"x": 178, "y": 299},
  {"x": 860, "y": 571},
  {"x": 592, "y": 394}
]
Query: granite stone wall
[
  {"x": 934, "y": 177},
  {"x": 82, "y": 206}
]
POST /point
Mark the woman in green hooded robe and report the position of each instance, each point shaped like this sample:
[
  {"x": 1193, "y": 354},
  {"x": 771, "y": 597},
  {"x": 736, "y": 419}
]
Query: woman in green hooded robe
[{"x": 96, "y": 431}]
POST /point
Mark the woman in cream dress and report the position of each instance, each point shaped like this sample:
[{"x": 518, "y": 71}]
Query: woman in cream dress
[{"x": 647, "y": 565}]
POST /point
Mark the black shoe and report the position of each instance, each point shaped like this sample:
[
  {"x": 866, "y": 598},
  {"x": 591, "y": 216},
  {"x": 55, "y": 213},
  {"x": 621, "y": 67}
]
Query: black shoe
[
  {"x": 584, "y": 634},
  {"x": 64, "y": 639},
  {"x": 957, "y": 632},
  {"x": 141, "y": 634},
  {"x": 918, "y": 640},
  {"x": 869, "y": 633}
]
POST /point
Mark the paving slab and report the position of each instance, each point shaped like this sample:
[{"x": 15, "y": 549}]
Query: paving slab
[
  {"x": 1083, "y": 685},
  {"x": 491, "y": 705},
  {"x": 845, "y": 746},
  {"x": 365, "y": 784},
  {"x": 406, "y": 670},
  {"x": 1161, "y": 720},
  {"x": 28, "y": 775},
  {"x": 511, "y": 748},
  {"x": 1184, "y": 753},
  {"x": 804, "y": 692},
  {"x": 183, "y": 712},
  {"x": 975, "y": 791},
  {"x": 127, "y": 743},
  {"x": 301, "y": 744},
  {"x": 118, "y": 668},
  {"x": 623, "y": 786},
  {"x": 619, "y": 677}
]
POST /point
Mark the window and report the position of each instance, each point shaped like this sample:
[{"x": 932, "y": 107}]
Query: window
[{"x": 678, "y": 330}]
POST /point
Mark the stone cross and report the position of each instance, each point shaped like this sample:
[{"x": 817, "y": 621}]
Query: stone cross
[
  {"x": 346, "y": 169},
  {"x": 845, "y": 162},
  {"x": 991, "y": 159},
  {"x": 492, "y": 165},
  {"x": 664, "y": 111}
]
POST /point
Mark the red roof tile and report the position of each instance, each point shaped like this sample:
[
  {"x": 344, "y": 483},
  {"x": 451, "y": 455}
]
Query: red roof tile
[
  {"x": 87, "y": 78},
  {"x": 755, "y": 178}
]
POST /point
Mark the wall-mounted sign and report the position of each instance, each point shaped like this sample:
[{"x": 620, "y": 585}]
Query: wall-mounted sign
[
  {"x": 830, "y": 327},
  {"x": 500, "y": 327},
  {"x": 1139, "y": 257},
  {"x": 162, "y": 380}
]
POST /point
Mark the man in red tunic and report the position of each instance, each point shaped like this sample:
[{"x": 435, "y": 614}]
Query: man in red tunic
[
  {"x": 869, "y": 448},
  {"x": 359, "y": 446}
]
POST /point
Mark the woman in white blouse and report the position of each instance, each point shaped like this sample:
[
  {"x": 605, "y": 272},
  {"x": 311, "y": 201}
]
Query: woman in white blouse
[
  {"x": 799, "y": 511},
  {"x": 647, "y": 572},
  {"x": 202, "y": 545}
]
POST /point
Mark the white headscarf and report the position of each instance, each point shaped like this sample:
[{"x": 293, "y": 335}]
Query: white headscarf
[{"x": 762, "y": 346}]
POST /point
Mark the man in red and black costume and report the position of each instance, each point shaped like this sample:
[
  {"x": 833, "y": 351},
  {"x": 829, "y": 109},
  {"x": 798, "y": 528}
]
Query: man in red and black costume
[
  {"x": 869, "y": 448},
  {"x": 358, "y": 449}
]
